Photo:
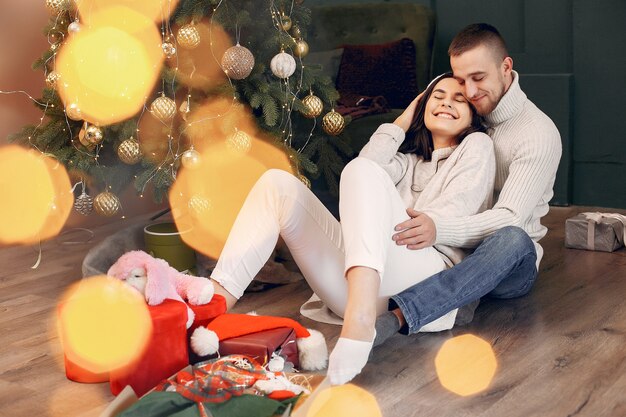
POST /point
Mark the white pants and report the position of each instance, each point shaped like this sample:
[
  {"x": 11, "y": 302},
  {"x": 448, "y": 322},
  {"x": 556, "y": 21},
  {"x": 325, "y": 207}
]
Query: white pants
[{"x": 324, "y": 249}]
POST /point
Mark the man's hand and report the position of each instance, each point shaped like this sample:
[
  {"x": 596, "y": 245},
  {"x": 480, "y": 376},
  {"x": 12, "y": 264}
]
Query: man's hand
[
  {"x": 416, "y": 233},
  {"x": 405, "y": 119}
]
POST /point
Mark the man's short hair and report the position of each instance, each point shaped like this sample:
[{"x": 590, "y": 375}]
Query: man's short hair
[{"x": 479, "y": 34}]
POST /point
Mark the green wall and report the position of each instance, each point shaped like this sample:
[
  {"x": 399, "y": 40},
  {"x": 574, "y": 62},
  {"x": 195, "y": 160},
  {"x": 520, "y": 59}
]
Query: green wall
[{"x": 571, "y": 55}]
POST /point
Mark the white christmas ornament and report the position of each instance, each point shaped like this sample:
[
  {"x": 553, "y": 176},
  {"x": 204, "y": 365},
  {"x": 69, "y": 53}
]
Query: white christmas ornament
[{"x": 283, "y": 65}]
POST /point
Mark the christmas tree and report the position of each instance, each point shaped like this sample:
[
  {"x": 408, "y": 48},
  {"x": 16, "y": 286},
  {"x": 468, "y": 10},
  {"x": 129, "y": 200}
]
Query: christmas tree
[{"x": 225, "y": 61}]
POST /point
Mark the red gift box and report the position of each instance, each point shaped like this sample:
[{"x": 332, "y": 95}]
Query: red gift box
[{"x": 261, "y": 345}]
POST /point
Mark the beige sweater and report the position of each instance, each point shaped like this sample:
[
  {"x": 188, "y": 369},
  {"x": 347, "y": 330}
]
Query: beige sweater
[
  {"x": 457, "y": 181},
  {"x": 528, "y": 151}
]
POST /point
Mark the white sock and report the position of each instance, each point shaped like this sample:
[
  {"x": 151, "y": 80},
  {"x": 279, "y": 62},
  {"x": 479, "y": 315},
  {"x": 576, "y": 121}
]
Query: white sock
[{"x": 347, "y": 359}]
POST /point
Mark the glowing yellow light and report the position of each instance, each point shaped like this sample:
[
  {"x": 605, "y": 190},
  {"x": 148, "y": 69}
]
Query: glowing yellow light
[
  {"x": 103, "y": 324},
  {"x": 36, "y": 194},
  {"x": 344, "y": 400},
  {"x": 466, "y": 365},
  {"x": 153, "y": 10},
  {"x": 110, "y": 67}
]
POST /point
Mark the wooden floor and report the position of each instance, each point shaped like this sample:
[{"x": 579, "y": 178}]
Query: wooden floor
[{"x": 561, "y": 350}]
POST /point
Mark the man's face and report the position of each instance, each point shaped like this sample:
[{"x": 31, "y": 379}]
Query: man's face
[{"x": 484, "y": 79}]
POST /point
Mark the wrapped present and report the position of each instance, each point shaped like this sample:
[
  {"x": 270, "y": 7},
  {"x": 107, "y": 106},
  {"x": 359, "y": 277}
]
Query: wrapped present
[
  {"x": 604, "y": 232},
  {"x": 260, "y": 346}
]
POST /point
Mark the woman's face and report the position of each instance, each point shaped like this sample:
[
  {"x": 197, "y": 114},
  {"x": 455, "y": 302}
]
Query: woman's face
[{"x": 447, "y": 112}]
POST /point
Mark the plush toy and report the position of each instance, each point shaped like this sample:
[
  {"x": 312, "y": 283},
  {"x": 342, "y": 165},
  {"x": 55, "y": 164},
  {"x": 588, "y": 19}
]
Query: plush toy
[{"x": 156, "y": 280}]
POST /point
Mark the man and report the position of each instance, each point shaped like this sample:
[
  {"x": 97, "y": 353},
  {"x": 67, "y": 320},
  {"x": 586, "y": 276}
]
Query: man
[{"x": 506, "y": 258}]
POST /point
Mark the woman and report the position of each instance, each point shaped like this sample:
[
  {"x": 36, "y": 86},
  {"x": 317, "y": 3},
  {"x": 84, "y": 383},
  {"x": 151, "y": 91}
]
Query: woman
[{"x": 354, "y": 266}]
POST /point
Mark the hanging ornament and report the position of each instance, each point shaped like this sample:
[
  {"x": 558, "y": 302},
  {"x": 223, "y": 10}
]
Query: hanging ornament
[
  {"x": 106, "y": 204},
  {"x": 283, "y": 65},
  {"x": 199, "y": 205},
  {"x": 285, "y": 22},
  {"x": 296, "y": 32},
  {"x": 188, "y": 36},
  {"x": 74, "y": 27},
  {"x": 191, "y": 158},
  {"x": 184, "y": 110},
  {"x": 301, "y": 49},
  {"x": 58, "y": 6},
  {"x": 333, "y": 123},
  {"x": 83, "y": 204},
  {"x": 237, "y": 62},
  {"x": 305, "y": 180},
  {"x": 239, "y": 142},
  {"x": 83, "y": 141},
  {"x": 93, "y": 135},
  {"x": 129, "y": 151},
  {"x": 163, "y": 108},
  {"x": 169, "y": 50},
  {"x": 313, "y": 106},
  {"x": 73, "y": 112},
  {"x": 52, "y": 78}
]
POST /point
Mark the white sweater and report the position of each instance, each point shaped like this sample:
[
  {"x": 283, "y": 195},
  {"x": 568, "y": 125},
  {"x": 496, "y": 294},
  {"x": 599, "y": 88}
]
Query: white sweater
[
  {"x": 528, "y": 151},
  {"x": 457, "y": 181}
]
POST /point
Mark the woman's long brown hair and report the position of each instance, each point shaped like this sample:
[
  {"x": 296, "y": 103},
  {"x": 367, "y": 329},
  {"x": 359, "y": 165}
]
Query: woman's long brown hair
[{"x": 419, "y": 140}]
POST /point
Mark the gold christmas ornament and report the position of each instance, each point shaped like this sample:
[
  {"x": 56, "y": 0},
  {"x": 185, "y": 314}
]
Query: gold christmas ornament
[
  {"x": 93, "y": 135},
  {"x": 83, "y": 204},
  {"x": 184, "y": 110},
  {"x": 296, "y": 32},
  {"x": 163, "y": 108},
  {"x": 188, "y": 36},
  {"x": 237, "y": 62},
  {"x": 169, "y": 50},
  {"x": 191, "y": 159},
  {"x": 285, "y": 22},
  {"x": 129, "y": 151},
  {"x": 73, "y": 112},
  {"x": 313, "y": 106},
  {"x": 301, "y": 49},
  {"x": 239, "y": 142},
  {"x": 52, "y": 78},
  {"x": 199, "y": 205},
  {"x": 83, "y": 141},
  {"x": 283, "y": 65},
  {"x": 333, "y": 123},
  {"x": 305, "y": 180},
  {"x": 106, "y": 204},
  {"x": 74, "y": 27},
  {"x": 58, "y": 6}
]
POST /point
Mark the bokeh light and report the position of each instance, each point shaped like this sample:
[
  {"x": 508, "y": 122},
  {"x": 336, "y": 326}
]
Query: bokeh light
[
  {"x": 344, "y": 400},
  {"x": 156, "y": 10},
  {"x": 466, "y": 365},
  {"x": 37, "y": 196},
  {"x": 103, "y": 324},
  {"x": 110, "y": 67}
]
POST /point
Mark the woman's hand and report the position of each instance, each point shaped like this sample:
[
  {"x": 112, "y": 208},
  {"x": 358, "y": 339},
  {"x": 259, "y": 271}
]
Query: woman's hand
[{"x": 405, "y": 119}]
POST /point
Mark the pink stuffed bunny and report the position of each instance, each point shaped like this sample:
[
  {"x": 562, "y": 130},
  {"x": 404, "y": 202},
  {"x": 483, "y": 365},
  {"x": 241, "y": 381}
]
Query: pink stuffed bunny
[{"x": 156, "y": 280}]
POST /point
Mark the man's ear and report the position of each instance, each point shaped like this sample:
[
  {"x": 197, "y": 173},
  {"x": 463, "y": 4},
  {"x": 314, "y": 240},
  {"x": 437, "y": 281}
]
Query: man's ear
[{"x": 507, "y": 66}]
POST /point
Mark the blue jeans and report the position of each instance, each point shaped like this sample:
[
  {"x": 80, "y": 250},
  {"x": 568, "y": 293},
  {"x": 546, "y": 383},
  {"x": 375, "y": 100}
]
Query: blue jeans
[{"x": 502, "y": 266}]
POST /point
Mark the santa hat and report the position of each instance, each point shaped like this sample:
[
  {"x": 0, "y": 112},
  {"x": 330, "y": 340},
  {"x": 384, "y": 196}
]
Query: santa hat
[{"x": 312, "y": 350}]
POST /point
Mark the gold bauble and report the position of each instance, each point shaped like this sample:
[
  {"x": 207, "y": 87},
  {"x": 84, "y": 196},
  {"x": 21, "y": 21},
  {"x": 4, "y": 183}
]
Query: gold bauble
[
  {"x": 52, "y": 78},
  {"x": 296, "y": 32},
  {"x": 239, "y": 142},
  {"x": 313, "y": 106},
  {"x": 199, "y": 205},
  {"x": 169, "y": 50},
  {"x": 59, "y": 6},
  {"x": 188, "y": 36},
  {"x": 285, "y": 22},
  {"x": 106, "y": 204},
  {"x": 83, "y": 141},
  {"x": 301, "y": 49},
  {"x": 83, "y": 204},
  {"x": 237, "y": 62},
  {"x": 305, "y": 180},
  {"x": 163, "y": 108},
  {"x": 333, "y": 123},
  {"x": 190, "y": 159},
  {"x": 73, "y": 112},
  {"x": 93, "y": 135},
  {"x": 129, "y": 151}
]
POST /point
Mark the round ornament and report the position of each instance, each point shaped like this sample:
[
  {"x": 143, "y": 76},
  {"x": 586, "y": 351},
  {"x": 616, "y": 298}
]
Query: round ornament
[
  {"x": 191, "y": 159},
  {"x": 237, "y": 62},
  {"x": 83, "y": 204},
  {"x": 106, "y": 204},
  {"x": 283, "y": 65},
  {"x": 52, "y": 78},
  {"x": 301, "y": 49},
  {"x": 129, "y": 151},
  {"x": 296, "y": 32},
  {"x": 83, "y": 141},
  {"x": 285, "y": 22},
  {"x": 58, "y": 6},
  {"x": 169, "y": 50},
  {"x": 74, "y": 27},
  {"x": 305, "y": 180},
  {"x": 73, "y": 112},
  {"x": 163, "y": 108},
  {"x": 199, "y": 205},
  {"x": 188, "y": 36},
  {"x": 313, "y": 106},
  {"x": 333, "y": 123},
  {"x": 93, "y": 135},
  {"x": 239, "y": 142}
]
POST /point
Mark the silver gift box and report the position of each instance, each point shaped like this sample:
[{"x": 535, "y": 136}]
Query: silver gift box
[{"x": 594, "y": 233}]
